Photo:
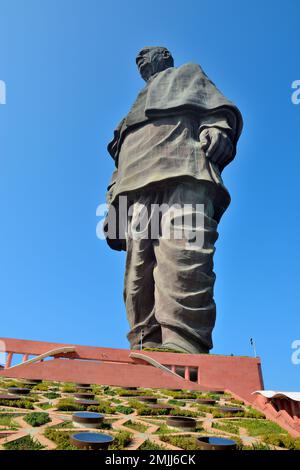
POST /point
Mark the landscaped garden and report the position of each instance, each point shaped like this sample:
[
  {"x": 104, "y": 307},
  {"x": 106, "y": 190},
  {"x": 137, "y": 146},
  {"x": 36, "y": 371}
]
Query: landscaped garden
[{"x": 135, "y": 419}]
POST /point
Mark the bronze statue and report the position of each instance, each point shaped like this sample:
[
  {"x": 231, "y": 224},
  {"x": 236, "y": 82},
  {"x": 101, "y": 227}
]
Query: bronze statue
[{"x": 170, "y": 150}]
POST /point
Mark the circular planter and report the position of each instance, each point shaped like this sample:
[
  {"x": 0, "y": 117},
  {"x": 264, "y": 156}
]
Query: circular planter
[
  {"x": 85, "y": 395},
  {"x": 87, "y": 419},
  {"x": 83, "y": 402},
  {"x": 205, "y": 401},
  {"x": 19, "y": 391},
  {"x": 9, "y": 397},
  {"x": 189, "y": 424},
  {"x": 147, "y": 399},
  {"x": 91, "y": 440},
  {"x": 231, "y": 409},
  {"x": 161, "y": 406},
  {"x": 84, "y": 389},
  {"x": 33, "y": 381},
  {"x": 215, "y": 443}
]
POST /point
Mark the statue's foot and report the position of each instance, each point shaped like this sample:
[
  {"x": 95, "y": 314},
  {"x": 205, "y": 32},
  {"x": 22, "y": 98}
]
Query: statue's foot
[{"x": 173, "y": 339}]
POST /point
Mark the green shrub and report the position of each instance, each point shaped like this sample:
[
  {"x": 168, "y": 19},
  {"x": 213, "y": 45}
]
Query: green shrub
[
  {"x": 51, "y": 395},
  {"x": 37, "y": 418},
  {"x": 130, "y": 393},
  {"x": 126, "y": 410},
  {"x": 184, "y": 442},
  {"x": 180, "y": 395},
  {"x": 285, "y": 441},
  {"x": 257, "y": 446},
  {"x": 69, "y": 404},
  {"x": 42, "y": 387},
  {"x": 172, "y": 401},
  {"x": 234, "y": 401},
  {"x": 24, "y": 443},
  {"x": 22, "y": 403},
  {"x": 219, "y": 414},
  {"x": 150, "y": 445},
  {"x": 11, "y": 383},
  {"x": 68, "y": 388},
  {"x": 205, "y": 408},
  {"x": 60, "y": 438},
  {"x": 252, "y": 413},
  {"x": 147, "y": 411},
  {"x": 189, "y": 413},
  {"x": 122, "y": 439},
  {"x": 108, "y": 391},
  {"x": 164, "y": 350},
  {"x": 102, "y": 407}
]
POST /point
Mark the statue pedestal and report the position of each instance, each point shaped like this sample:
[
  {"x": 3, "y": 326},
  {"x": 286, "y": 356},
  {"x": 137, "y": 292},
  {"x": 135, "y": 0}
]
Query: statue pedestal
[{"x": 122, "y": 367}]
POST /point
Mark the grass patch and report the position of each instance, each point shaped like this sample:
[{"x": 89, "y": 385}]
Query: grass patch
[
  {"x": 150, "y": 445},
  {"x": 258, "y": 427},
  {"x": 136, "y": 426},
  {"x": 226, "y": 426},
  {"x": 7, "y": 421},
  {"x": 45, "y": 406},
  {"x": 164, "y": 350}
]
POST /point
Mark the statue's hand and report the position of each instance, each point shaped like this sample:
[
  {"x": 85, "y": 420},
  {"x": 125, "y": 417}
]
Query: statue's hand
[{"x": 216, "y": 144}]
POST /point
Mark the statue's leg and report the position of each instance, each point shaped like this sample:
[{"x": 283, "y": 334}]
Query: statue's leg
[
  {"x": 184, "y": 277},
  {"x": 139, "y": 291}
]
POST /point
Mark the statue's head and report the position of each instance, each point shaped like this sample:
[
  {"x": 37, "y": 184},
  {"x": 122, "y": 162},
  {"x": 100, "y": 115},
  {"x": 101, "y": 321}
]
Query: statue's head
[{"x": 153, "y": 59}]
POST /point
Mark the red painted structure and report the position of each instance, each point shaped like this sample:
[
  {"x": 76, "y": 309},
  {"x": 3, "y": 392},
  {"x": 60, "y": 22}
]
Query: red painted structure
[
  {"x": 282, "y": 410},
  {"x": 240, "y": 376},
  {"x": 86, "y": 364}
]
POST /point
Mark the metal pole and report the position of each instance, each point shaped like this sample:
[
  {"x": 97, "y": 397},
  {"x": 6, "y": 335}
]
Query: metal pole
[
  {"x": 253, "y": 344},
  {"x": 142, "y": 336}
]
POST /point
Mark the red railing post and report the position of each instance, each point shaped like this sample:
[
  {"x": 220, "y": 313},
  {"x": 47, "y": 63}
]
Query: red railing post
[{"x": 8, "y": 360}]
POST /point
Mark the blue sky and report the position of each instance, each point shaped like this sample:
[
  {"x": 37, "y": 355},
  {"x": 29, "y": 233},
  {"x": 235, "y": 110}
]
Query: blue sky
[{"x": 70, "y": 74}]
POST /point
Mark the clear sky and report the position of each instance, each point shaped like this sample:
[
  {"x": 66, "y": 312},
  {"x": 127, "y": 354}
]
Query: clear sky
[{"x": 69, "y": 69}]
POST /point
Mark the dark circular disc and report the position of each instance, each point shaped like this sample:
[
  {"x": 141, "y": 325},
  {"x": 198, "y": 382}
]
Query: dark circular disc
[{"x": 19, "y": 391}]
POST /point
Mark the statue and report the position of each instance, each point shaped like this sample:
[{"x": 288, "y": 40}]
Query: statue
[{"x": 170, "y": 151}]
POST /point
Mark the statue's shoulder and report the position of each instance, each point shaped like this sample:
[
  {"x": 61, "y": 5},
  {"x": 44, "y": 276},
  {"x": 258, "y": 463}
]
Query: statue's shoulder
[{"x": 190, "y": 68}]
